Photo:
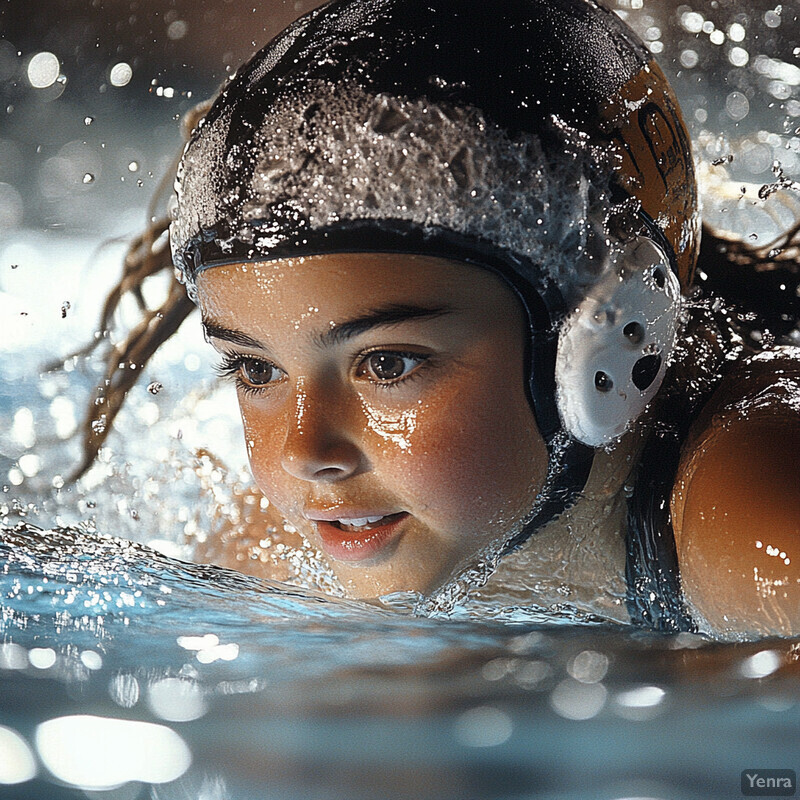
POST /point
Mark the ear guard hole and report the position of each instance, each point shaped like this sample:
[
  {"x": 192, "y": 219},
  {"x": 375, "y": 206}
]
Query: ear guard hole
[
  {"x": 645, "y": 371},
  {"x": 634, "y": 332},
  {"x": 602, "y": 382},
  {"x": 660, "y": 277}
]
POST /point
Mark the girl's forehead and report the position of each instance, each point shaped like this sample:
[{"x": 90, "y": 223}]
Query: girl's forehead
[
  {"x": 311, "y": 297},
  {"x": 336, "y": 279}
]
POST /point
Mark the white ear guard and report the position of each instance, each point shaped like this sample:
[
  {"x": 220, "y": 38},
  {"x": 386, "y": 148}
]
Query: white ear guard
[{"x": 613, "y": 350}]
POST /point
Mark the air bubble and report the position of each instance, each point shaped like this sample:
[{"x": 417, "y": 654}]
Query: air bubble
[{"x": 692, "y": 21}]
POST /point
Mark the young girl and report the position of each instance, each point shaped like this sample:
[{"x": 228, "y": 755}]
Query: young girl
[{"x": 445, "y": 253}]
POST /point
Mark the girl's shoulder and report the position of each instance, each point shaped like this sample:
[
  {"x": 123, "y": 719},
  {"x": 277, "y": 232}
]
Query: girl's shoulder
[
  {"x": 736, "y": 499},
  {"x": 758, "y": 401}
]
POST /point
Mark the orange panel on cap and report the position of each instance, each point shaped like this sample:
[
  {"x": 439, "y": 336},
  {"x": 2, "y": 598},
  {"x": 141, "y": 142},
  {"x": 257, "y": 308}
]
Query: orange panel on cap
[{"x": 644, "y": 122}]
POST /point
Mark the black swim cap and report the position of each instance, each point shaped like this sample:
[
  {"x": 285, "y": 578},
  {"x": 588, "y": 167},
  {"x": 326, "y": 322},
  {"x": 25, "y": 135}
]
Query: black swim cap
[
  {"x": 553, "y": 69},
  {"x": 534, "y": 138}
]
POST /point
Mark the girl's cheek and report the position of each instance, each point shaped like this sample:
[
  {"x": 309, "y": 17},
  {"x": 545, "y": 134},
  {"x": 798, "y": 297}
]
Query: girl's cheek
[
  {"x": 449, "y": 456},
  {"x": 394, "y": 427},
  {"x": 262, "y": 451}
]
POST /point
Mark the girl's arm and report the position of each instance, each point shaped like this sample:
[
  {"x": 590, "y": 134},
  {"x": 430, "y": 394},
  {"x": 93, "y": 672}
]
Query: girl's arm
[{"x": 736, "y": 501}]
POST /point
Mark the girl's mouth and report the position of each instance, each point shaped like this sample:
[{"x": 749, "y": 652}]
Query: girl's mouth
[{"x": 359, "y": 539}]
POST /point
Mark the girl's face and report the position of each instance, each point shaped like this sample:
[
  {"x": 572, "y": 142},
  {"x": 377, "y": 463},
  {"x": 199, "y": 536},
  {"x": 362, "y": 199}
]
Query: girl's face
[{"x": 384, "y": 407}]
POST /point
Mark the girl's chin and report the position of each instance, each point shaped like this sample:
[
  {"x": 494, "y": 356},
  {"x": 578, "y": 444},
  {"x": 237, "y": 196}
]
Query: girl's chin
[{"x": 399, "y": 574}]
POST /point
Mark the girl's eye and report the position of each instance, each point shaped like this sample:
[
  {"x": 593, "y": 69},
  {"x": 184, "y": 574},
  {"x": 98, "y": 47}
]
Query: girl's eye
[
  {"x": 249, "y": 373},
  {"x": 258, "y": 373},
  {"x": 388, "y": 367}
]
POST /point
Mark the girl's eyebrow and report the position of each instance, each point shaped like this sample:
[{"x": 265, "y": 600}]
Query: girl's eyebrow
[
  {"x": 213, "y": 330},
  {"x": 390, "y": 314}
]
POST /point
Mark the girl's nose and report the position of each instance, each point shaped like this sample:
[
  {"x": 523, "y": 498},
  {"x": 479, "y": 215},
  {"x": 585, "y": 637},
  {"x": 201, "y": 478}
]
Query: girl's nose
[{"x": 319, "y": 444}]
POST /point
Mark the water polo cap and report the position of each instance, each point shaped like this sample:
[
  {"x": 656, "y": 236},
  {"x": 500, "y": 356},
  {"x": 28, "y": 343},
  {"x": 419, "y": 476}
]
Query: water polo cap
[{"x": 533, "y": 138}]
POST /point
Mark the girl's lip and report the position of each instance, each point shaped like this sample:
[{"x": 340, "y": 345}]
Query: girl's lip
[{"x": 363, "y": 545}]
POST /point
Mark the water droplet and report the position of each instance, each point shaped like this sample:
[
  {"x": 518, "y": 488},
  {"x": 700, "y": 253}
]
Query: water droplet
[
  {"x": 177, "y": 29},
  {"x": 737, "y": 32},
  {"x": 717, "y": 37},
  {"x": 43, "y": 70},
  {"x": 737, "y": 105},
  {"x": 588, "y": 666},
  {"x": 120, "y": 74},
  {"x": 155, "y": 387},
  {"x": 761, "y": 664},
  {"x": 65, "y": 306},
  {"x": 88, "y": 120},
  {"x": 88, "y": 178},
  {"x": 133, "y": 166}
]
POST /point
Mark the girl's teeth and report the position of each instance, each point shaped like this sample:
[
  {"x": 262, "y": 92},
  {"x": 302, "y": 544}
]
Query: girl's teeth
[{"x": 360, "y": 522}]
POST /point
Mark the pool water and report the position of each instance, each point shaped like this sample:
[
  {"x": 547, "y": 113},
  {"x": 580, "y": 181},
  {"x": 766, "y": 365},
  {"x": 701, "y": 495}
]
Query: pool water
[{"x": 127, "y": 674}]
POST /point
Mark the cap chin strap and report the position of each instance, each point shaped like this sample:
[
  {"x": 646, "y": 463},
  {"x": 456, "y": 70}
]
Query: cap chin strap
[{"x": 568, "y": 470}]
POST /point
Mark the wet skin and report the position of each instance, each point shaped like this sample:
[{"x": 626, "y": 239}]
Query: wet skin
[
  {"x": 381, "y": 385},
  {"x": 736, "y": 503}
]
